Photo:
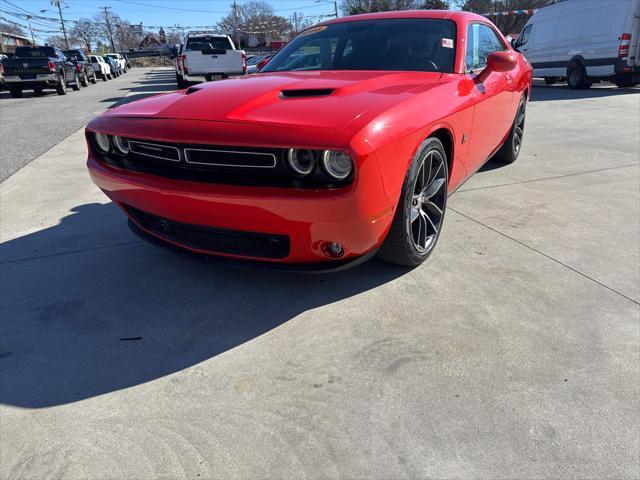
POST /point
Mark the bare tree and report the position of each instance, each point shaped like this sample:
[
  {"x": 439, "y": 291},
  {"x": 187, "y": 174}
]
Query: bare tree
[
  {"x": 434, "y": 5},
  {"x": 11, "y": 29},
  {"x": 506, "y": 23},
  {"x": 354, "y": 7},
  {"x": 85, "y": 29},
  {"x": 255, "y": 19}
]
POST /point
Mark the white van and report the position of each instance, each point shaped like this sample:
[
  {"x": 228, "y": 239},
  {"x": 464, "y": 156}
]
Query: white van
[{"x": 584, "y": 41}]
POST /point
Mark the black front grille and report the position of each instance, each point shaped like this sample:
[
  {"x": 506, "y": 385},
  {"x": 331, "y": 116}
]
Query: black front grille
[{"x": 214, "y": 240}]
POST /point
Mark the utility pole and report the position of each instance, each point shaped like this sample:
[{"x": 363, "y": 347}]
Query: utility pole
[
  {"x": 335, "y": 5},
  {"x": 236, "y": 21},
  {"x": 64, "y": 31},
  {"x": 106, "y": 17},
  {"x": 33, "y": 39}
]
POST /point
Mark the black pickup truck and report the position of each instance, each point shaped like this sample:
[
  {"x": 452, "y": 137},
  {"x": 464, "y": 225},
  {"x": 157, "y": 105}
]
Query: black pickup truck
[
  {"x": 37, "y": 68},
  {"x": 83, "y": 66}
]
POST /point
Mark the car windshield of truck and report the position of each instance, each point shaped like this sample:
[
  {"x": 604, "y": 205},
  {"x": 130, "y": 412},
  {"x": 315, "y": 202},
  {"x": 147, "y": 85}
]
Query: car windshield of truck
[
  {"x": 35, "y": 52},
  {"x": 208, "y": 44},
  {"x": 424, "y": 44},
  {"x": 75, "y": 57}
]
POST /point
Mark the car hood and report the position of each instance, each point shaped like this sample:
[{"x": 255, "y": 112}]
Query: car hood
[{"x": 327, "y": 99}]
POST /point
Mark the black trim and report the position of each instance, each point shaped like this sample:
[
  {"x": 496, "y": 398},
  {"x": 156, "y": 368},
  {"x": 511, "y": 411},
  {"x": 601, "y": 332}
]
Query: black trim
[
  {"x": 330, "y": 266},
  {"x": 593, "y": 62}
]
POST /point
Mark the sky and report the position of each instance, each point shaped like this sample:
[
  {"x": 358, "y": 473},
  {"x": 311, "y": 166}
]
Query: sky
[{"x": 164, "y": 13}]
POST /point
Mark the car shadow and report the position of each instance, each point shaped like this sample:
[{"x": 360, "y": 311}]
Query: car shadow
[
  {"x": 545, "y": 93},
  {"x": 89, "y": 309},
  {"x": 153, "y": 83}
]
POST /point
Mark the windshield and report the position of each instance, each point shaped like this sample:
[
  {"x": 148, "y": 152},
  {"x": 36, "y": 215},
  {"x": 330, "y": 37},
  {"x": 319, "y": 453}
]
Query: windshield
[
  {"x": 426, "y": 45},
  {"x": 74, "y": 56},
  {"x": 208, "y": 43}
]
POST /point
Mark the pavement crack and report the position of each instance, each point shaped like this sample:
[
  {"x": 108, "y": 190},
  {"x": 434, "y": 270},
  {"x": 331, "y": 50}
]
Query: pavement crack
[
  {"x": 69, "y": 252},
  {"x": 548, "y": 178},
  {"x": 545, "y": 255}
]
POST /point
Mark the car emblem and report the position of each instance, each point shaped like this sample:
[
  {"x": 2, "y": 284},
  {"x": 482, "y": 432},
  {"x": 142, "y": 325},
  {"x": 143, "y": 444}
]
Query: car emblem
[{"x": 25, "y": 65}]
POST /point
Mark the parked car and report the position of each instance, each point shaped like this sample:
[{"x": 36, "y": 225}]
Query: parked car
[
  {"x": 584, "y": 41},
  {"x": 115, "y": 67},
  {"x": 258, "y": 63},
  {"x": 178, "y": 66},
  {"x": 325, "y": 165},
  {"x": 83, "y": 65},
  {"x": 119, "y": 59},
  {"x": 208, "y": 56},
  {"x": 101, "y": 67},
  {"x": 38, "y": 68}
]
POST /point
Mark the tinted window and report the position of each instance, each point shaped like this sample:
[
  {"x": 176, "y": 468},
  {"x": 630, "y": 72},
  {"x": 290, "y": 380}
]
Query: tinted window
[
  {"x": 426, "y": 45},
  {"x": 208, "y": 43},
  {"x": 35, "y": 52},
  {"x": 481, "y": 41}
]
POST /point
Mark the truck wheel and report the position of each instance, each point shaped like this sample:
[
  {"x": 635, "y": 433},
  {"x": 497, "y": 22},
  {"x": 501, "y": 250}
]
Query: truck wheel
[
  {"x": 61, "y": 88},
  {"x": 38, "y": 91},
  {"x": 94, "y": 80},
  {"x": 75, "y": 86},
  {"x": 577, "y": 77},
  {"x": 625, "y": 83},
  {"x": 84, "y": 80},
  {"x": 16, "y": 92},
  {"x": 180, "y": 81},
  {"x": 109, "y": 76}
]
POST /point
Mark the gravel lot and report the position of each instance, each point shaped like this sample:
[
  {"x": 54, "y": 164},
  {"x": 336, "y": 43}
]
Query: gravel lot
[{"x": 513, "y": 353}]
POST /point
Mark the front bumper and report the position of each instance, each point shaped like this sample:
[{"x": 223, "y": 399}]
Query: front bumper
[{"x": 357, "y": 216}]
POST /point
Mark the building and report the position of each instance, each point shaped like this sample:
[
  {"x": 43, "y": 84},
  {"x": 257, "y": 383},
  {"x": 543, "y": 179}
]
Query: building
[{"x": 9, "y": 42}]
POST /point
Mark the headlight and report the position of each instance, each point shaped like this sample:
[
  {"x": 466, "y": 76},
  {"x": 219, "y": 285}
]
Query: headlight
[
  {"x": 337, "y": 164},
  {"x": 301, "y": 161},
  {"x": 121, "y": 144},
  {"x": 102, "y": 142}
]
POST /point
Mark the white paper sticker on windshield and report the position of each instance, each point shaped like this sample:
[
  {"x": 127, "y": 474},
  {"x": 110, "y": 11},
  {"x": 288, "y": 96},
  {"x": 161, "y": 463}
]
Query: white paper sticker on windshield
[{"x": 447, "y": 43}]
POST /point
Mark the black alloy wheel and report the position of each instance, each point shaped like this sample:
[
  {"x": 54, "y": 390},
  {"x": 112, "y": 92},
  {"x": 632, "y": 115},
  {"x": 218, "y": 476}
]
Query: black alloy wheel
[
  {"x": 61, "y": 88},
  {"x": 84, "y": 80},
  {"x": 510, "y": 151},
  {"x": 75, "y": 86}
]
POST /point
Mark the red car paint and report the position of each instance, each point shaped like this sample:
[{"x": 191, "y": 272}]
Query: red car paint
[{"x": 379, "y": 117}]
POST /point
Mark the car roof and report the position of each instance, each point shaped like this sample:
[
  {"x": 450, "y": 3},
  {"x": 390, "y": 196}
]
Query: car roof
[{"x": 457, "y": 16}]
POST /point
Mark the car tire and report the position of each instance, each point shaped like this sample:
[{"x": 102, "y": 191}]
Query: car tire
[
  {"x": 61, "y": 88},
  {"x": 510, "y": 150},
  {"x": 75, "y": 86},
  {"x": 15, "y": 92},
  {"x": 180, "y": 81},
  {"x": 419, "y": 215},
  {"x": 109, "y": 76},
  {"x": 625, "y": 83},
  {"x": 577, "y": 77},
  {"x": 84, "y": 80},
  {"x": 38, "y": 91},
  {"x": 94, "y": 79}
]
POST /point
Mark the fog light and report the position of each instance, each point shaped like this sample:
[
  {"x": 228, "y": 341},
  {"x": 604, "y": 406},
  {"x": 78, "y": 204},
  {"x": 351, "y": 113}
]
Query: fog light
[
  {"x": 102, "y": 142},
  {"x": 301, "y": 161},
  {"x": 333, "y": 249},
  {"x": 337, "y": 164},
  {"x": 121, "y": 145}
]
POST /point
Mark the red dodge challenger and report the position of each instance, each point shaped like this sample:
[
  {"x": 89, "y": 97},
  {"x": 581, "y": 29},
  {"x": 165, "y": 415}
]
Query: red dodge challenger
[{"x": 346, "y": 144}]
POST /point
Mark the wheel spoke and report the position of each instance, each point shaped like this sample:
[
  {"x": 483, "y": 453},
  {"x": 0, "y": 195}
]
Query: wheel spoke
[
  {"x": 435, "y": 186},
  {"x": 431, "y": 222},
  {"x": 433, "y": 206},
  {"x": 415, "y": 212}
]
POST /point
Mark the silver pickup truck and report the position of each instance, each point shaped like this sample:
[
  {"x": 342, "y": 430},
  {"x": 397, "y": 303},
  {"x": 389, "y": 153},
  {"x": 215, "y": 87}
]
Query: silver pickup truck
[{"x": 209, "y": 56}]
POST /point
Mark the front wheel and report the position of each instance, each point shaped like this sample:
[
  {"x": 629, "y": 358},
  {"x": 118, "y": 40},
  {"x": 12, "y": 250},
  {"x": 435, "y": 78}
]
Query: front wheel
[
  {"x": 61, "y": 88},
  {"x": 417, "y": 223},
  {"x": 75, "y": 86},
  {"x": 510, "y": 151},
  {"x": 94, "y": 79},
  {"x": 16, "y": 92},
  {"x": 84, "y": 80}
]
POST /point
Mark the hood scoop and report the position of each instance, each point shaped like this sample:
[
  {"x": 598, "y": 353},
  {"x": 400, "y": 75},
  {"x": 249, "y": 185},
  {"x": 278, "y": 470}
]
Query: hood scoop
[
  {"x": 306, "y": 92},
  {"x": 191, "y": 90}
]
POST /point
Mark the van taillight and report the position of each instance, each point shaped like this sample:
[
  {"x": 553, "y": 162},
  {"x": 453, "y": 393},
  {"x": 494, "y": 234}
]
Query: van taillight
[
  {"x": 625, "y": 44},
  {"x": 184, "y": 65},
  {"x": 52, "y": 66},
  {"x": 244, "y": 62}
]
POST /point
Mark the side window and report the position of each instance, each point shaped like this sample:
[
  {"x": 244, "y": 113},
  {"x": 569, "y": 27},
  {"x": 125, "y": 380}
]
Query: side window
[
  {"x": 524, "y": 36},
  {"x": 481, "y": 41}
]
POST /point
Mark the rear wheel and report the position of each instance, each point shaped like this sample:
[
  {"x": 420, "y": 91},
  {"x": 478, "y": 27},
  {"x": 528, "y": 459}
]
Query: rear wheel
[
  {"x": 38, "y": 91},
  {"x": 94, "y": 79},
  {"x": 510, "y": 151},
  {"x": 84, "y": 80},
  {"x": 418, "y": 220},
  {"x": 577, "y": 77},
  {"x": 109, "y": 76},
  {"x": 16, "y": 92},
  {"x": 61, "y": 88}
]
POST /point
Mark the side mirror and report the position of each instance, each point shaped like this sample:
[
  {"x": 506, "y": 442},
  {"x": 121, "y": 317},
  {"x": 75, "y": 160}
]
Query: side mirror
[
  {"x": 501, "y": 61},
  {"x": 261, "y": 64}
]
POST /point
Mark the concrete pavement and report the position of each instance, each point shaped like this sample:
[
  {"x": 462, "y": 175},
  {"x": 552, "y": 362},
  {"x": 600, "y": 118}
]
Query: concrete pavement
[{"x": 513, "y": 353}]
